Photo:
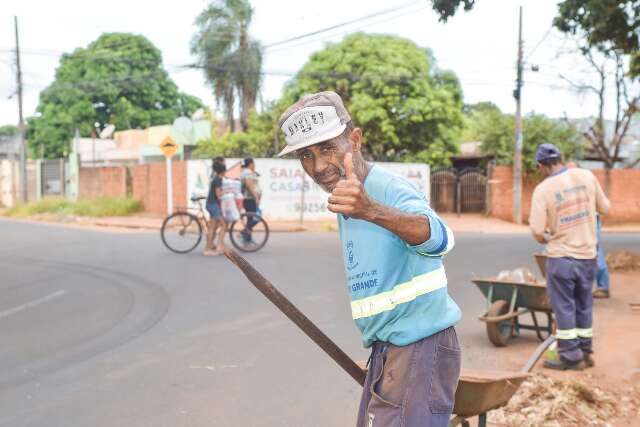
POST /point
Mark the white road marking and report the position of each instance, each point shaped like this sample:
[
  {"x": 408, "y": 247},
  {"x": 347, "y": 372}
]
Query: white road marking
[{"x": 33, "y": 303}]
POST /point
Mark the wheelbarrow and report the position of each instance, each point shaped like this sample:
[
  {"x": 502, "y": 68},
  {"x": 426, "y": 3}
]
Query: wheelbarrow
[
  {"x": 482, "y": 391},
  {"x": 507, "y": 302}
]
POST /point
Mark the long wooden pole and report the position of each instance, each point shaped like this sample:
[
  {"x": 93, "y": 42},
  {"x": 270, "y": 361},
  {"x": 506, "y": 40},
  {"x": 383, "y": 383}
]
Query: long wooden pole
[{"x": 297, "y": 317}]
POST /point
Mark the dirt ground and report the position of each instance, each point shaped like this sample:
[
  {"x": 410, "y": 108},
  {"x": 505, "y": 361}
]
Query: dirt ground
[{"x": 616, "y": 352}]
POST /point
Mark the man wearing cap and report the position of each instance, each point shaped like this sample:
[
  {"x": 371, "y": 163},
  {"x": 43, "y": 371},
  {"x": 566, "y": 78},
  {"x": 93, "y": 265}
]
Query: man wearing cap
[
  {"x": 392, "y": 246},
  {"x": 563, "y": 217}
]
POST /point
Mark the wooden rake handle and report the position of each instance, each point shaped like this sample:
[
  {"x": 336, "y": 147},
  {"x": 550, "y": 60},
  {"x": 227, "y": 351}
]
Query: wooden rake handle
[{"x": 297, "y": 317}]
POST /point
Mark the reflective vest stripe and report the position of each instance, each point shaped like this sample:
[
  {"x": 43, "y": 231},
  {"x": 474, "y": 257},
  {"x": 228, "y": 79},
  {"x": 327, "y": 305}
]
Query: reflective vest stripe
[
  {"x": 584, "y": 332},
  {"x": 566, "y": 334},
  {"x": 401, "y": 293}
]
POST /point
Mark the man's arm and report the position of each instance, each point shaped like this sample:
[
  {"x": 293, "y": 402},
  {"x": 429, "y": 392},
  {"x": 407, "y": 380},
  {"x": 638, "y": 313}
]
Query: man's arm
[
  {"x": 602, "y": 202},
  {"x": 217, "y": 187},
  {"x": 413, "y": 229},
  {"x": 538, "y": 217},
  {"x": 421, "y": 229}
]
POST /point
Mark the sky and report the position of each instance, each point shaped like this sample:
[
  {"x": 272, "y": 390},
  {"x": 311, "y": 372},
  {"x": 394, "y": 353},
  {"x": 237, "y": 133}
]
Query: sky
[{"x": 480, "y": 46}]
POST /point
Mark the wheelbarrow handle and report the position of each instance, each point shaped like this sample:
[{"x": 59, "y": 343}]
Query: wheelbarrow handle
[
  {"x": 538, "y": 353},
  {"x": 297, "y": 317}
]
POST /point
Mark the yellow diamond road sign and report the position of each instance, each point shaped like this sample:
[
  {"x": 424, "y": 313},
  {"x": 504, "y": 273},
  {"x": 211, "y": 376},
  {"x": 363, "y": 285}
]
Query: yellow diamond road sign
[{"x": 168, "y": 147}]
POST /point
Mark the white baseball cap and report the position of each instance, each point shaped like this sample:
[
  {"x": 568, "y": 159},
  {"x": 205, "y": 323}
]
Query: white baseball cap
[{"x": 315, "y": 118}]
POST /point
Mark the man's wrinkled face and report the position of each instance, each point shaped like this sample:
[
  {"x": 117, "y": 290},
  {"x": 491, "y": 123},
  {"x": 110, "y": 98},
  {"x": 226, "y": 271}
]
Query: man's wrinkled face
[{"x": 324, "y": 162}]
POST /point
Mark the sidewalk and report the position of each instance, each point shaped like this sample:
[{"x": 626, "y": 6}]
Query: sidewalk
[
  {"x": 152, "y": 222},
  {"x": 466, "y": 223}
]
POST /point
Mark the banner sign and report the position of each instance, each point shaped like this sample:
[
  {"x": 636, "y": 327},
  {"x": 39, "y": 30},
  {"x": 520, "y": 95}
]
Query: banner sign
[{"x": 287, "y": 190}]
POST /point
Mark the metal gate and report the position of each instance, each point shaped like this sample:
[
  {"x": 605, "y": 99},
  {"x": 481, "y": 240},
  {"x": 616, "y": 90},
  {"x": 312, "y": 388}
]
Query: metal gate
[
  {"x": 458, "y": 191},
  {"x": 52, "y": 177},
  {"x": 473, "y": 190},
  {"x": 443, "y": 190}
]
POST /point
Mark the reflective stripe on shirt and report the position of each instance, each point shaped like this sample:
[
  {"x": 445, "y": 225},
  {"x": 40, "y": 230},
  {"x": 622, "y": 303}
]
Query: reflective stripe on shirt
[{"x": 401, "y": 293}]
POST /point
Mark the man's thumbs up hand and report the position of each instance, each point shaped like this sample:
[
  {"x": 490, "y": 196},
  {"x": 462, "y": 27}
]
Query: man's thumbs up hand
[{"x": 348, "y": 197}]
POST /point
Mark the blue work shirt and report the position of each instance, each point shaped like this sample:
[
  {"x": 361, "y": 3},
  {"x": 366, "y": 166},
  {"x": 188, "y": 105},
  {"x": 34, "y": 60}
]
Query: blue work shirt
[{"x": 398, "y": 291}]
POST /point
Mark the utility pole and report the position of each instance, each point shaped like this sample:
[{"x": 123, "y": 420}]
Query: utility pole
[
  {"x": 23, "y": 148},
  {"x": 517, "y": 155}
]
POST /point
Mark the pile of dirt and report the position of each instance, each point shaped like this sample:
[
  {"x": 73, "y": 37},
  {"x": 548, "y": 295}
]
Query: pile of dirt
[
  {"x": 623, "y": 260},
  {"x": 545, "y": 402}
]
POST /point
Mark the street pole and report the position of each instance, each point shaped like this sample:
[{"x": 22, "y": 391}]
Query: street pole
[
  {"x": 21, "y": 128},
  {"x": 169, "y": 175},
  {"x": 517, "y": 156}
]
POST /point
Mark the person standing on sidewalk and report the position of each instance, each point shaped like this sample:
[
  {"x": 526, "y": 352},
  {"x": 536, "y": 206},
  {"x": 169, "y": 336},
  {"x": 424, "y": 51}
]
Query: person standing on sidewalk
[
  {"x": 392, "y": 247},
  {"x": 216, "y": 220},
  {"x": 563, "y": 217},
  {"x": 602, "y": 277},
  {"x": 251, "y": 194}
]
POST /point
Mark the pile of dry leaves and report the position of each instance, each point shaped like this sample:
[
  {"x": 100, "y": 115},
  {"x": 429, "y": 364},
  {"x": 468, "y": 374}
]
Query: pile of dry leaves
[
  {"x": 623, "y": 260},
  {"x": 545, "y": 402}
]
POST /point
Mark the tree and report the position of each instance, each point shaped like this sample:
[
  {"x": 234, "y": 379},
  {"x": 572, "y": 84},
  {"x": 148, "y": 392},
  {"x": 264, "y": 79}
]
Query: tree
[
  {"x": 230, "y": 58},
  {"x": 606, "y": 141},
  {"x": 259, "y": 140},
  {"x": 495, "y": 131},
  {"x": 608, "y": 25},
  {"x": 408, "y": 108},
  {"x": 8, "y": 130},
  {"x": 117, "y": 79},
  {"x": 448, "y": 8},
  {"x": 607, "y": 35}
]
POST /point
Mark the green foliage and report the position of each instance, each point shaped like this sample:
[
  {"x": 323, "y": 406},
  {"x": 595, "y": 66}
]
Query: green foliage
[
  {"x": 259, "y": 140},
  {"x": 230, "y": 58},
  {"x": 613, "y": 23},
  {"x": 607, "y": 25},
  {"x": 104, "y": 206},
  {"x": 448, "y": 8},
  {"x": 409, "y": 110},
  {"x": 8, "y": 130},
  {"x": 117, "y": 79},
  {"x": 496, "y": 131}
]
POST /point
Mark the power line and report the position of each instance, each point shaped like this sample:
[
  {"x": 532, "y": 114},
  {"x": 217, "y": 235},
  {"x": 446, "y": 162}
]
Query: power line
[
  {"x": 348, "y": 31},
  {"x": 333, "y": 27},
  {"x": 542, "y": 39}
]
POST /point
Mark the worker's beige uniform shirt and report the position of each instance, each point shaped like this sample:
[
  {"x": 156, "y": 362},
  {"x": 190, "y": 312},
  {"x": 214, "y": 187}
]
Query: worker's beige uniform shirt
[{"x": 563, "y": 209}]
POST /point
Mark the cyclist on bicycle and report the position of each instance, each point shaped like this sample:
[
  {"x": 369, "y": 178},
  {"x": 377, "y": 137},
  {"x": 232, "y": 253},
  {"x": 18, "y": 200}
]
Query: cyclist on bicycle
[
  {"x": 216, "y": 220},
  {"x": 251, "y": 193}
]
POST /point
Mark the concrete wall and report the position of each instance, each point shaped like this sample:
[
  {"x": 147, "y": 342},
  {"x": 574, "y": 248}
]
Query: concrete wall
[
  {"x": 102, "y": 182},
  {"x": 10, "y": 193},
  {"x": 624, "y": 194}
]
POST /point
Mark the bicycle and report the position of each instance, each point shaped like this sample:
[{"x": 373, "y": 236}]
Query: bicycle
[{"x": 182, "y": 231}]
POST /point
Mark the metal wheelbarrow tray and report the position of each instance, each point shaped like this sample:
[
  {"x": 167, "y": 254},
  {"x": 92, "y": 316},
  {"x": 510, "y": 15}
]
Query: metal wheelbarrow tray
[
  {"x": 480, "y": 392},
  {"x": 507, "y": 301}
]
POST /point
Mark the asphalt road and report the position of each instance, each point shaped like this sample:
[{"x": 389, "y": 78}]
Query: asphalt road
[{"x": 111, "y": 329}]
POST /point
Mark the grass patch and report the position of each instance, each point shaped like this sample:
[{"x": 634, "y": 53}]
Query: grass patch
[{"x": 103, "y": 206}]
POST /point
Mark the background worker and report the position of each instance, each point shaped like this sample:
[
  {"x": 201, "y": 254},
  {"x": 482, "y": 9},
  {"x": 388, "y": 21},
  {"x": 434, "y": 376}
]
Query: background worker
[
  {"x": 563, "y": 216},
  {"x": 251, "y": 193},
  {"x": 216, "y": 220},
  {"x": 392, "y": 245},
  {"x": 602, "y": 276}
]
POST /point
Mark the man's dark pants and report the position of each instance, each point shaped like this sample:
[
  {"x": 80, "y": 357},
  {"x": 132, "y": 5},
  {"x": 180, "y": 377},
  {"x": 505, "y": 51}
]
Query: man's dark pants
[
  {"x": 569, "y": 283},
  {"x": 411, "y": 386}
]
